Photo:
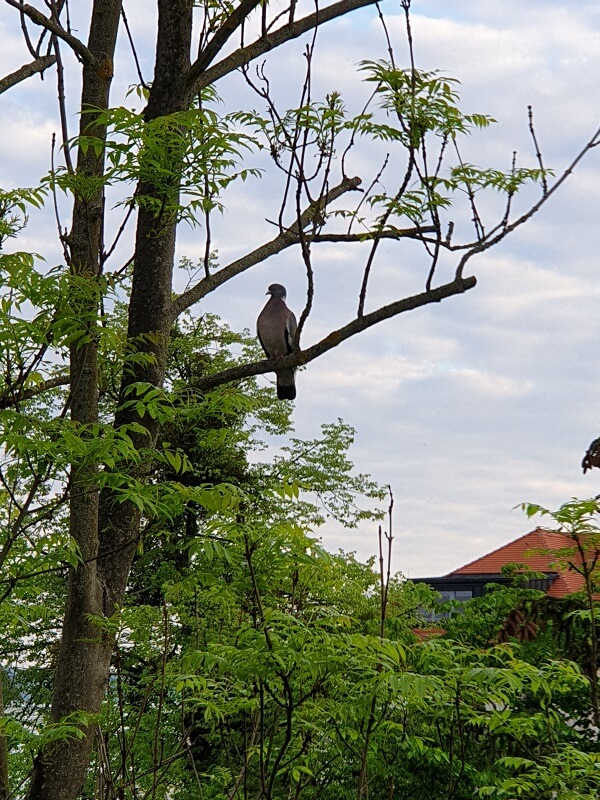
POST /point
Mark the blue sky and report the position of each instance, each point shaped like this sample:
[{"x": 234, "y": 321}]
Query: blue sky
[{"x": 469, "y": 407}]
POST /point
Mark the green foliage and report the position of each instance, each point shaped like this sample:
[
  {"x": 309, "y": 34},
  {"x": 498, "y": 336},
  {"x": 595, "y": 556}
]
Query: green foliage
[
  {"x": 318, "y": 122},
  {"x": 281, "y": 684},
  {"x": 574, "y": 516},
  {"x": 249, "y": 661},
  {"x": 568, "y": 774},
  {"x": 423, "y": 102},
  {"x": 187, "y": 158},
  {"x": 13, "y": 210}
]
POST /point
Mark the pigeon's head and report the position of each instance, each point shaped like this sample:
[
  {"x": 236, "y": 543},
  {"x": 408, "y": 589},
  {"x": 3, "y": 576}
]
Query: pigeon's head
[{"x": 277, "y": 290}]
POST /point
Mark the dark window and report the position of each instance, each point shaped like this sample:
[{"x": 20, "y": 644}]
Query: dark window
[
  {"x": 463, "y": 594},
  {"x": 456, "y": 594}
]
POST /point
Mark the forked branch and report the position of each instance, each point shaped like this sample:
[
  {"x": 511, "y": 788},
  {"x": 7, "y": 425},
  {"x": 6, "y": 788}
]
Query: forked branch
[
  {"x": 285, "y": 239},
  {"x": 244, "y": 55},
  {"x": 56, "y": 28}
]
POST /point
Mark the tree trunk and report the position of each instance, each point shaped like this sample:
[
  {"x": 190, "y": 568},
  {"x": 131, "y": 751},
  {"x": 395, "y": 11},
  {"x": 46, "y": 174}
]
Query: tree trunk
[
  {"x": 150, "y": 311},
  {"x": 105, "y": 530},
  {"x": 84, "y": 656}
]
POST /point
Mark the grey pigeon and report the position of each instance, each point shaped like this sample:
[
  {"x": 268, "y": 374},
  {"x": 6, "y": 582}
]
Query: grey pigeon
[{"x": 276, "y": 327}]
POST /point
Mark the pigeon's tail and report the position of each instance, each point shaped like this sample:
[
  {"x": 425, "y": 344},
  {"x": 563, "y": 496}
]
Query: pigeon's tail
[{"x": 286, "y": 388}]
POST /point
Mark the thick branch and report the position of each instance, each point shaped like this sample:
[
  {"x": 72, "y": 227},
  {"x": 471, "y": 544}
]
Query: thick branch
[
  {"x": 458, "y": 286},
  {"x": 285, "y": 239},
  {"x": 368, "y": 236},
  {"x": 26, "y": 71},
  {"x": 54, "y": 27},
  {"x": 14, "y": 395},
  {"x": 225, "y": 31},
  {"x": 265, "y": 44}
]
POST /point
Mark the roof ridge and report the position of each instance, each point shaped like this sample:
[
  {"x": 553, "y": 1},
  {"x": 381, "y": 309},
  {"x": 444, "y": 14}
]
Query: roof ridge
[{"x": 539, "y": 531}]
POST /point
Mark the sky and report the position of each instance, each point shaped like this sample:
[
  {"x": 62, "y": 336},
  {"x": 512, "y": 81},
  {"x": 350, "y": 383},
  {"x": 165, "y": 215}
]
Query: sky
[{"x": 466, "y": 408}]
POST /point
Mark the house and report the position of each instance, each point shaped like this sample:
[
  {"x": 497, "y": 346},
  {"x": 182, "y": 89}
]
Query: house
[{"x": 471, "y": 579}]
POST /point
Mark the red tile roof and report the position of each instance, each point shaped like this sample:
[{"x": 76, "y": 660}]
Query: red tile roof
[{"x": 517, "y": 552}]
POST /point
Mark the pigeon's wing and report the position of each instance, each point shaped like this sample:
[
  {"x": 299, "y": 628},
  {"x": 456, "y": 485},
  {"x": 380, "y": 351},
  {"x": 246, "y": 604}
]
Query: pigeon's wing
[{"x": 290, "y": 330}]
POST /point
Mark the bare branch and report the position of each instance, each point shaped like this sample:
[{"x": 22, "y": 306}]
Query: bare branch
[
  {"x": 491, "y": 240},
  {"x": 476, "y": 219},
  {"x": 62, "y": 106},
  {"x": 133, "y": 50},
  {"x": 386, "y": 33},
  {"x": 26, "y": 71},
  {"x": 303, "y": 183},
  {"x": 538, "y": 153},
  {"x": 35, "y": 51},
  {"x": 377, "y": 239},
  {"x": 106, "y": 254},
  {"x": 54, "y": 27},
  {"x": 267, "y": 43},
  {"x": 62, "y": 234},
  {"x": 359, "y": 324},
  {"x": 285, "y": 239}
]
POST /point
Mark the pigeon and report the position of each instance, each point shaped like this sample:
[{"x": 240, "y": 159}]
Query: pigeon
[{"x": 276, "y": 327}]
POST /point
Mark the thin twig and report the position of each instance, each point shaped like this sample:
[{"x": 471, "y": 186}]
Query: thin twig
[
  {"x": 60, "y": 83},
  {"x": 538, "y": 153},
  {"x": 386, "y": 34},
  {"x": 51, "y": 25},
  {"x": 476, "y": 219},
  {"x": 33, "y": 50},
  {"x": 489, "y": 241},
  {"x": 133, "y": 50},
  {"x": 107, "y": 254},
  {"x": 380, "y": 227},
  {"x": 62, "y": 234}
]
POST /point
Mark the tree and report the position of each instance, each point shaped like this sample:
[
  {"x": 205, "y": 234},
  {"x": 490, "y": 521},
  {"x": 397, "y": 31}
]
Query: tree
[
  {"x": 577, "y": 522},
  {"x": 88, "y": 452}
]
